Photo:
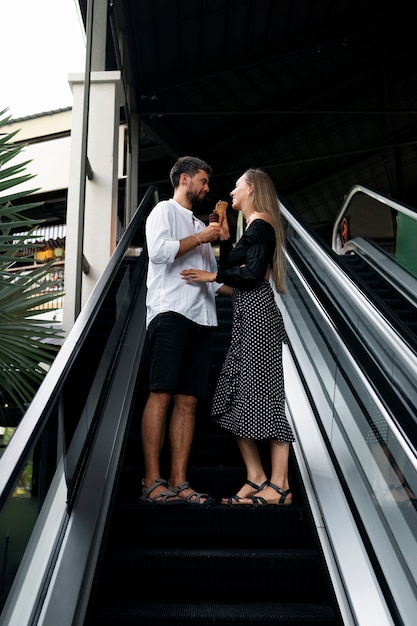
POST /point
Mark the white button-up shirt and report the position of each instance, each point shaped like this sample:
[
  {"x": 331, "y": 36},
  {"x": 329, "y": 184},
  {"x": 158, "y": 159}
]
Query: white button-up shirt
[{"x": 167, "y": 223}]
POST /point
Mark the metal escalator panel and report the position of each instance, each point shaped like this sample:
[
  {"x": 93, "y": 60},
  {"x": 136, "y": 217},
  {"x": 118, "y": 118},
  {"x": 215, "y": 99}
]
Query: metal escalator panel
[
  {"x": 348, "y": 355},
  {"x": 384, "y": 341}
]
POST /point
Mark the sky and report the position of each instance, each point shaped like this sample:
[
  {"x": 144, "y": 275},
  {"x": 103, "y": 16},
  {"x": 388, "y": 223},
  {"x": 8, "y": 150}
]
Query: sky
[{"x": 42, "y": 43}]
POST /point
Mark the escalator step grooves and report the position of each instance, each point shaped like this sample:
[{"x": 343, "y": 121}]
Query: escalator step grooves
[{"x": 226, "y": 613}]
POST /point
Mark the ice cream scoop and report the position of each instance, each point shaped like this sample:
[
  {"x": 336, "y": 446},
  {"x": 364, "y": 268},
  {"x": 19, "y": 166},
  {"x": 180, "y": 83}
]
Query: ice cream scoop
[{"x": 214, "y": 218}]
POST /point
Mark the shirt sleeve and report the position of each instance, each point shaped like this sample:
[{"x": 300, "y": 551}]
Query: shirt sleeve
[
  {"x": 251, "y": 269},
  {"x": 162, "y": 246}
]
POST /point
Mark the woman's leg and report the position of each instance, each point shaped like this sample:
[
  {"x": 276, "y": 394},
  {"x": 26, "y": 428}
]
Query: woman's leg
[
  {"x": 250, "y": 453},
  {"x": 279, "y": 477},
  {"x": 280, "y": 451},
  {"x": 255, "y": 472}
]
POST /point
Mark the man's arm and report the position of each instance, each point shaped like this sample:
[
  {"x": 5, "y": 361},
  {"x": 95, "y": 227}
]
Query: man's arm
[{"x": 210, "y": 233}]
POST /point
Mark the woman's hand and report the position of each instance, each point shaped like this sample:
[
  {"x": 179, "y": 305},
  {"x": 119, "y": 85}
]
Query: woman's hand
[
  {"x": 224, "y": 230},
  {"x": 198, "y": 276}
]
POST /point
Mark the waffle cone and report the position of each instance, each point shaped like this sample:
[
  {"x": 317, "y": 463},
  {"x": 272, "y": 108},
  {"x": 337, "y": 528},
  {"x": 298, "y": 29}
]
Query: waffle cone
[{"x": 220, "y": 209}]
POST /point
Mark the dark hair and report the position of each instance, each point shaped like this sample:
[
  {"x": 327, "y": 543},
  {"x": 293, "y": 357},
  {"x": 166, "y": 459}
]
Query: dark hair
[{"x": 187, "y": 165}]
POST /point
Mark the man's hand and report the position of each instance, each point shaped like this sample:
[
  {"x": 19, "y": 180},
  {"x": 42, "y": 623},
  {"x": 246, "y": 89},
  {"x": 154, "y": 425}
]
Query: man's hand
[{"x": 210, "y": 233}]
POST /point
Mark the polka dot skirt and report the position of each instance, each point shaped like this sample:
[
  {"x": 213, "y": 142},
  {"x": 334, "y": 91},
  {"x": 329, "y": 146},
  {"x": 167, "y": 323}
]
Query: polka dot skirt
[{"x": 249, "y": 400}]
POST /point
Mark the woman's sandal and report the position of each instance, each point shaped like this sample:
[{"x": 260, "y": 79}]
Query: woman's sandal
[
  {"x": 236, "y": 498},
  {"x": 166, "y": 498},
  {"x": 259, "y": 500},
  {"x": 194, "y": 498}
]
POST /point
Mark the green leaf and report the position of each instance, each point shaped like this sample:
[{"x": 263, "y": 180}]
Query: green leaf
[{"x": 22, "y": 292}]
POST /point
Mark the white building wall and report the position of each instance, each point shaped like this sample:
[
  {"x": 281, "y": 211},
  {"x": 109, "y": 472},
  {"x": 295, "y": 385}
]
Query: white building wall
[
  {"x": 49, "y": 158},
  {"x": 47, "y": 140}
]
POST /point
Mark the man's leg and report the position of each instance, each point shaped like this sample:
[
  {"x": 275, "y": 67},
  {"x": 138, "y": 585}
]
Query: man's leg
[
  {"x": 181, "y": 437},
  {"x": 153, "y": 433}
]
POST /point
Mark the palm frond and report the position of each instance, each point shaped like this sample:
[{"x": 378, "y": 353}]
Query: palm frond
[{"x": 23, "y": 336}]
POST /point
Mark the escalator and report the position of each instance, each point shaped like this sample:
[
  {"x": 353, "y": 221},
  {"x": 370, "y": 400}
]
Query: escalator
[
  {"x": 379, "y": 254},
  {"x": 359, "y": 362},
  {"x": 214, "y": 564},
  {"x": 97, "y": 555}
]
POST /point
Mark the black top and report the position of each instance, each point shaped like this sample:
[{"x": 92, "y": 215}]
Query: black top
[{"x": 245, "y": 265}]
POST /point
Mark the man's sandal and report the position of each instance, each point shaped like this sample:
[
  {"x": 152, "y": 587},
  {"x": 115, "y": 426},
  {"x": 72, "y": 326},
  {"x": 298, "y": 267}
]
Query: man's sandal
[
  {"x": 165, "y": 498},
  {"x": 193, "y": 498},
  {"x": 235, "y": 499},
  {"x": 259, "y": 500}
]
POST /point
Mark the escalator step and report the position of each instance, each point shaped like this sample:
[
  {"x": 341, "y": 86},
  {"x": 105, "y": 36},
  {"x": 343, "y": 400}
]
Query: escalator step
[
  {"x": 260, "y": 611},
  {"x": 211, "y": 573},
  {"x": 209, "y": 527}
]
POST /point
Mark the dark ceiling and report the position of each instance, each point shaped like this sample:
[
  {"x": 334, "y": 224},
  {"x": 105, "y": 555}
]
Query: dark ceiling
[{"x": 322, "y": 94}]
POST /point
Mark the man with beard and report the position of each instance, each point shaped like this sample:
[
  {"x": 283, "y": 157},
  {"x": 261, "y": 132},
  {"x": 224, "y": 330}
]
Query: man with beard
[{"x": 179, "y": 321}]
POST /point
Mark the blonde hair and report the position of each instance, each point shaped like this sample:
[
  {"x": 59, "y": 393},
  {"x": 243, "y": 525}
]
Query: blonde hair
[{"x": 265, "y": 200}]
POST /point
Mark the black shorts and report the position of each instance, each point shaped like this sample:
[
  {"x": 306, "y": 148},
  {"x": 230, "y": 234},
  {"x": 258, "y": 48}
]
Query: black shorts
[{"x": 179, "y": 353}]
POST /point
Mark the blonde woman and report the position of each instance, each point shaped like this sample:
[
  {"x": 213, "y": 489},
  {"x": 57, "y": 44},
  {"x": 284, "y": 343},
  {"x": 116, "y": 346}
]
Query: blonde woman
[{"x": 249, "y": 400}]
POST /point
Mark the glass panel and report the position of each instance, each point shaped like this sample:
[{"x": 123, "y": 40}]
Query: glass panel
[
  {"x": 63, "y": 414},
  {"x": 19, "y": 516},
  {"x": 388, "y": 474},
  {"x": 405, "y": 250}
]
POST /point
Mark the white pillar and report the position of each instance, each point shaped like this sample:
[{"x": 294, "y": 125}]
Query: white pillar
[
  {"x": 132, "y": 183},
  {"x": 101, "y": 194},
  {"x": 73, "y": 212}
]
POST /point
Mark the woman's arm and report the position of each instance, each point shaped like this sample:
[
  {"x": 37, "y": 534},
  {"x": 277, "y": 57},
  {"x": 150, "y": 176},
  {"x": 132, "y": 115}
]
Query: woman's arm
[{"x": 198, "y": 276}]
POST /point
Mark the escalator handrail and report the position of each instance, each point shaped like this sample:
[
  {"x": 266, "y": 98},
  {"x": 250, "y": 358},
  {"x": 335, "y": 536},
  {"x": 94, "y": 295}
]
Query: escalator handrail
[
  {"x": 396, "y": 345},
  {"x": 36, "y": 416},
  {"x": 369, "y": 370},
  {"x": 395, "y": 274},
  {"x": 393, "y": 204}
]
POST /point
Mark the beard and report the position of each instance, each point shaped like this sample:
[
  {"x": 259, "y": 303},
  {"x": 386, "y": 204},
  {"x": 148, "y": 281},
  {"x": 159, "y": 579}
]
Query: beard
[{"x": 195, "y": 196}]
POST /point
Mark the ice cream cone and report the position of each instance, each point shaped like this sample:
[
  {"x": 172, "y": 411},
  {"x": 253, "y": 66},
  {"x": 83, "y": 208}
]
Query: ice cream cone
[{"x": 220, "y": 209}]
